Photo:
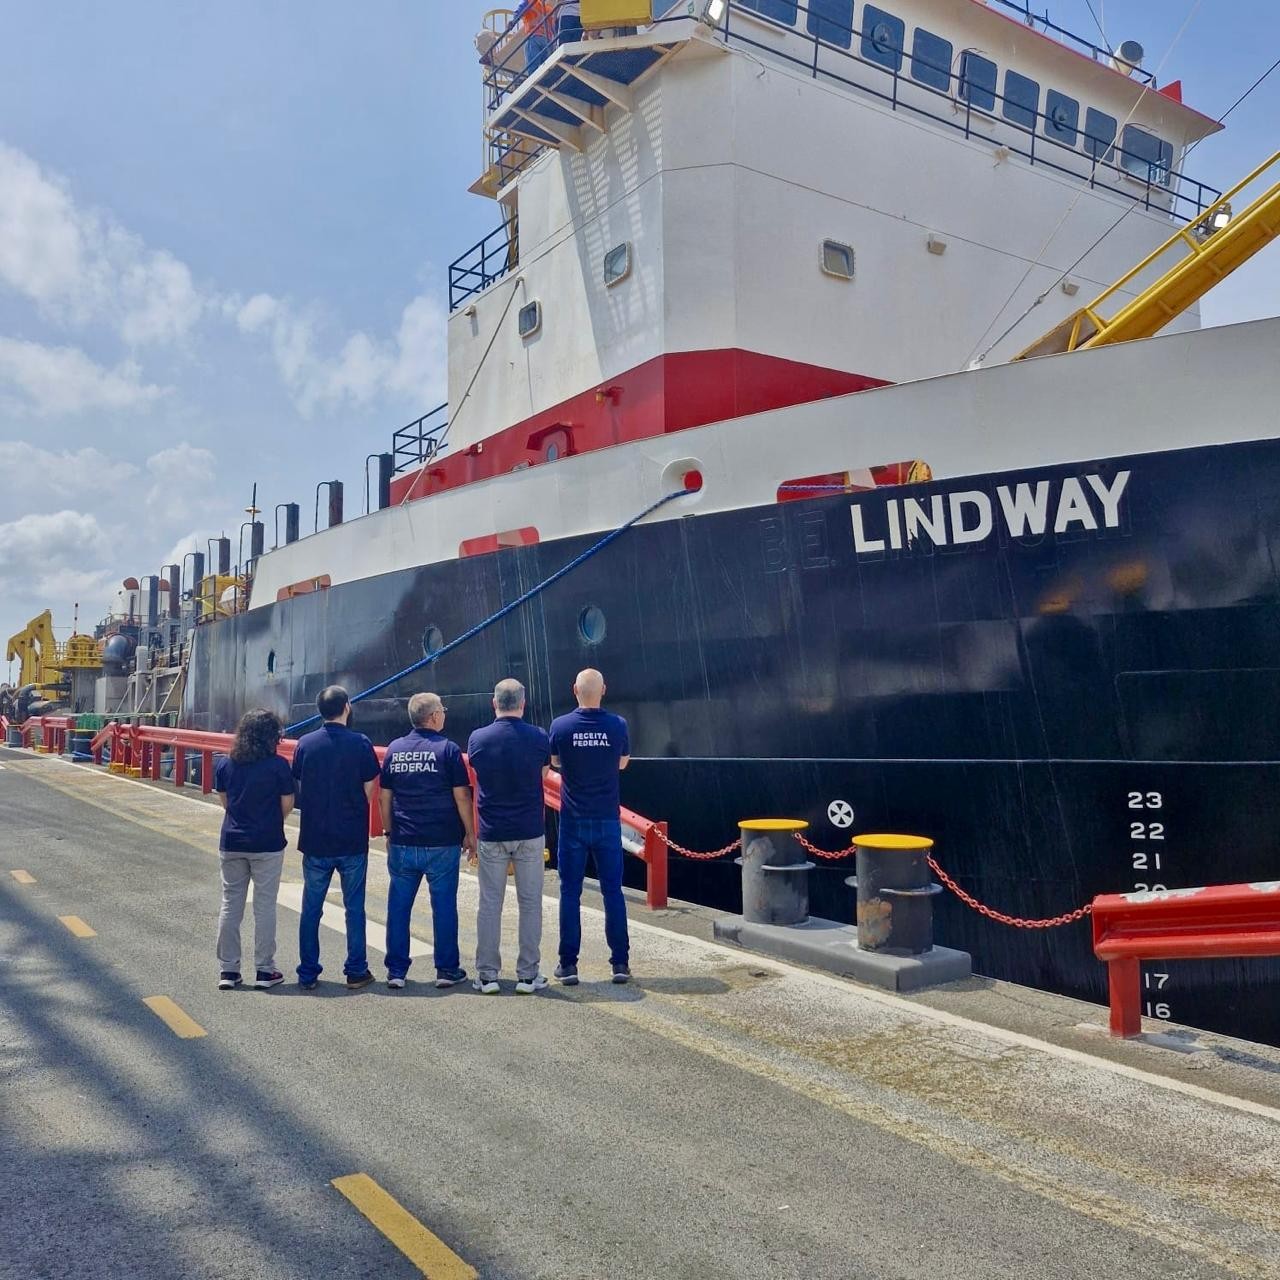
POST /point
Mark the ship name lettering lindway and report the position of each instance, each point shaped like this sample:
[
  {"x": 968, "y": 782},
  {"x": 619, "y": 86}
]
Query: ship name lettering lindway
[{"x": 969, "y": 516}]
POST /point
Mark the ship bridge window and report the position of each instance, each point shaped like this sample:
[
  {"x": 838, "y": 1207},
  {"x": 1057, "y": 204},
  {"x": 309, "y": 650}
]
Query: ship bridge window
[
  {"x": 617, "y": 264},
  {"x": 1099, "y": 133},
  {"x": 978, "y": 81},
  {"x": 931, "y": 59},
  {"x": 1145, "y": 156},
  {"x": 529, "y": 320},
  {"x": 832, "y": 21},
  {"x": 1021, "y": 99},
  {"x": 838, "y": 259},
  {"x": 775, "y": 10},
  {"x": 1061, "y": 118},
  {"x": 882, "y": 37}
]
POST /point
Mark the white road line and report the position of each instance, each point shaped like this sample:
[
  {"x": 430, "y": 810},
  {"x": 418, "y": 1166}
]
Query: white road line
[{"x": 333, "y": 917}]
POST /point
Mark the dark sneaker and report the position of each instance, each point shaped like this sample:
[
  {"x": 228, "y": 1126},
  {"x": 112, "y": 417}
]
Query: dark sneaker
[
  {"x": 308, "y": 984},
  {"x": 568, "y": 974},
  {"x": 621, "y": 973},
  {"x": 395, "y": 983},
  {"x": 229, "y": 981},
  {"x": 450, "y": 977},
  {"x": 357, "y": 980},
  {"x": 268, "y": 978}
]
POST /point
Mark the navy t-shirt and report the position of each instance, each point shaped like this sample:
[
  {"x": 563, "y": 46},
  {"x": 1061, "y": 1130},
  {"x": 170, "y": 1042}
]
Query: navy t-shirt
[
  {"x": 420, "y": 771},
  {"x": 253, "y": 822},
  {"x": 589, "y": 742},
  {"x": 331, "y": 766},
  {"x": 508, "y": 757}
]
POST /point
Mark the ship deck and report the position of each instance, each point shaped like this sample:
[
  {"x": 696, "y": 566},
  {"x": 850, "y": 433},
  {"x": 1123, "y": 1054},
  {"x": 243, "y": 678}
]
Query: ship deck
[{"x": 725, "y": 1116}]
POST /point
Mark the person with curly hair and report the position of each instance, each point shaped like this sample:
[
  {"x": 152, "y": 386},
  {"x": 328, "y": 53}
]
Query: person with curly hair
[{"x": 255, "y": 786}]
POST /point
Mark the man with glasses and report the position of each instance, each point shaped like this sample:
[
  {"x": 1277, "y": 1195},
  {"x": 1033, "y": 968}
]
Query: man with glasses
[{"x": 426, "y": 812}]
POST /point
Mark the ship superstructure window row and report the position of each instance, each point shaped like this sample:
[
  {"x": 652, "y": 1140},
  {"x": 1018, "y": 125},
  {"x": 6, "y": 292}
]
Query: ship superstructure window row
[{"x": 879, "y": 36}]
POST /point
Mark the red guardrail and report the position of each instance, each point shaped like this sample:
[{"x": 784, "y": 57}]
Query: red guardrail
[
  {"x": 139, "y": 750},
  {"x": 53, "y": 733},
  {"x": 1227, "y": 921}
]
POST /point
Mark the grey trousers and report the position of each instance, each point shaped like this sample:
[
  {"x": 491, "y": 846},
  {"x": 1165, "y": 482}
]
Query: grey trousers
[
  {"x": 492, "y": 874},
  {"x": 238, "y": 869}
]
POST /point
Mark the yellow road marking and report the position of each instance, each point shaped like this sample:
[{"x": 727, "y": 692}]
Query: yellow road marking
[
  {"x": 23, "y": 877},
  {"x": 181, "y": 1024},
  {"x": 78, "y": 927},
  {"x": 427, "y": 1252}
]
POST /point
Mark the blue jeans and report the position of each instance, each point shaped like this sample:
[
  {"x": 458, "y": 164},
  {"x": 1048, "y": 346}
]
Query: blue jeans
[
  {"x": 316, "y": 874},
  {"x": 602, "y": 839},
  {"x": 408, "y": 864}
]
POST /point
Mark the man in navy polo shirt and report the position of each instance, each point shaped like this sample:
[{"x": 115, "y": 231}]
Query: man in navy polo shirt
[
  {"x": 335, "y": 769},
  {"x": 510, "y": 759},
  {"x": 426, "y": 812},
  {"x": 590, "y": 747}
]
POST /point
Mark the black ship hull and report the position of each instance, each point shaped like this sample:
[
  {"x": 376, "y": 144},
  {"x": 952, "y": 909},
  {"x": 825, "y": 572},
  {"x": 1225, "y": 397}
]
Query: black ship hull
[{"x": 1068, "y": 677}]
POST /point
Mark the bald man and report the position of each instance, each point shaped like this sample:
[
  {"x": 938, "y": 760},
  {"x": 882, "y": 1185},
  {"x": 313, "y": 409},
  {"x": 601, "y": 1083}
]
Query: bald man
[{"x": 590, "y": 747}]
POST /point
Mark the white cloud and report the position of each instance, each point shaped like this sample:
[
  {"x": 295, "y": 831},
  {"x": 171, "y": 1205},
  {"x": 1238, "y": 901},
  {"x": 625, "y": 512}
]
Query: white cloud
[
  {"x": 183, "y": 481},
  {"x": 69, "y": 473},
  {"x": 58, "y": 380},
  {"x": 63, "y": 553},
  {"x": 410, "y": 366},
  {"x": 79, "y": 266}
]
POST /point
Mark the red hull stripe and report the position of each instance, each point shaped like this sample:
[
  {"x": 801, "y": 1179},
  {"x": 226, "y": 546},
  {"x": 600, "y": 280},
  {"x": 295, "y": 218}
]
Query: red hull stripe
[{"x": 669, "y": 393}]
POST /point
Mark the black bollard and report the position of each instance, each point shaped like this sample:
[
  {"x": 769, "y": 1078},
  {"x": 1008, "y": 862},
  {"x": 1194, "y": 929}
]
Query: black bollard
[
  {"x": 775, "y": 886},
  {"x": 895, "y": 893}
]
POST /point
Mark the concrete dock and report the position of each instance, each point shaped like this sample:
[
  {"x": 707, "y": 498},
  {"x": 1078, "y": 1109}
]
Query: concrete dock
[{"x": 726, "y": 1115}]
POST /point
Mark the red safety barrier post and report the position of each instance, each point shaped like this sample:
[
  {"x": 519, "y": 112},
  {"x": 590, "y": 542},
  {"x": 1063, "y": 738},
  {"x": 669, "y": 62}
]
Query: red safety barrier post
[
  {"x": 655, "y": 854},
  {"x": 1229, "y": 921},
  {"x": 179, "y": 766}
]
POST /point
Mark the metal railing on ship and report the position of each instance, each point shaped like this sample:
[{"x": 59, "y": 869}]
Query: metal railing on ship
[{"x": 140, "y": 751}]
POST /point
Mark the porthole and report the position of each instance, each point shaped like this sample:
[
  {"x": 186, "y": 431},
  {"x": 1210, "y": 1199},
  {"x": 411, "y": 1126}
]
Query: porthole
[
  {"x": 271, "y": 663},
  {"x": 837, "y": 259},
  {"x": 529, "y": 320},
  {"x": 617, "y": 264},
  {"x": 432, "y": 641},
  {"x": 592, "y": 624}
]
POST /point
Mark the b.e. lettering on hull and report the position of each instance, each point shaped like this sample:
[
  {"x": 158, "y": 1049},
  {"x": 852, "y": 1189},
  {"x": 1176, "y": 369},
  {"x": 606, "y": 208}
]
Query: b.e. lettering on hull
[{"x": 966, "y": 517}]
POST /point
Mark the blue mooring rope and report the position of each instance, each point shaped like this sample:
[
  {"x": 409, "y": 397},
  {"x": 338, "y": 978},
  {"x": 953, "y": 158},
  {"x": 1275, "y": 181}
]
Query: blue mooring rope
[{"x": 506, "y": 608}]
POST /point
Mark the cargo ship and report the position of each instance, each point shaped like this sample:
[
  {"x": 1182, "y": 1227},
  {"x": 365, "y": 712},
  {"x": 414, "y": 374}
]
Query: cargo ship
[{"x": 884, "y": 318}]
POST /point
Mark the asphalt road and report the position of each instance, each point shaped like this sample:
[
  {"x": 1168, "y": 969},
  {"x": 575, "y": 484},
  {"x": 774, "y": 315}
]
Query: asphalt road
[{"x": 723, "y": 1117}]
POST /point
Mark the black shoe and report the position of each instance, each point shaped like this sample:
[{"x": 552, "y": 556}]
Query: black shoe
[
  {"x": 308, "y": 984},
  {"x": 450, "y": 977},
  {"x": 229, "y": 982},
  {"x": 268, "y": 978},
  {"x": 357, "y": 980},
  {"x": 621, "y": 974},
  {"x": 568, "y": 974}
]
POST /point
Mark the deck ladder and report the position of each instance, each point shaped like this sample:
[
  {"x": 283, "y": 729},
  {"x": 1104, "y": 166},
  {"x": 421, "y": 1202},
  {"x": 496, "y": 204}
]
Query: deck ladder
[{"x": 1205, "y": 256}]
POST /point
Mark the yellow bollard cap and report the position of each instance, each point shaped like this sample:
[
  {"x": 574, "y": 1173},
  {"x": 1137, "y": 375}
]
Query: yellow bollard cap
[
  {"x": 773, "y": 824},
  {"x": 905, "y": 843}
]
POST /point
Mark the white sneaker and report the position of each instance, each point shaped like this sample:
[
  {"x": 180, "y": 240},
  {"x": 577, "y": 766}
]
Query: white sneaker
[
  {"x": 487, "y": 986},
  {"x": 527, "y": 986},
  {"x": 395, "y": 982}
]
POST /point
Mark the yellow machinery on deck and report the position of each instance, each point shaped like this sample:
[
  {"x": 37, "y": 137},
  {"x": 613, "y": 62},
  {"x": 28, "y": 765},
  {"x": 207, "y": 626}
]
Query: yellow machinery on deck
[
  {"x": 35, "y": 648},
  {"x": 1208, "y": 250}
]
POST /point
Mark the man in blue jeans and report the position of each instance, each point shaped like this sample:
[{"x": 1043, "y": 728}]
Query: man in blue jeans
[
  {"x": 335, "y": 769},
  {"x": 590, "y": 747},
  {"x": 426, "y": 812}
]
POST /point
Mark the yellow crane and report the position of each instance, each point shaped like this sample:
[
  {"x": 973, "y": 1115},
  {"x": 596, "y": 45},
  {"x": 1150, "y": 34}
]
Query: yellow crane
[
  {"x": 36, "y": 651},
  {"x": 1194, "y": 259}
]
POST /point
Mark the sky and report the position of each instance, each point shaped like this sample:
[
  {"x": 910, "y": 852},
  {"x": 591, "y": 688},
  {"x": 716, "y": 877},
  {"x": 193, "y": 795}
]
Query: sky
[{"x": 225, "y": 231}]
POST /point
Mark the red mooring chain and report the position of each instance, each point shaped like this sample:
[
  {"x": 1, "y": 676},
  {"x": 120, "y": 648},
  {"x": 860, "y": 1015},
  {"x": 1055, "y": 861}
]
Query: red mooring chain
[
  {"x": 692, "y": 853},
  {"x": 970, "y": 901},
  {"x": 835, "y": 855}
]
